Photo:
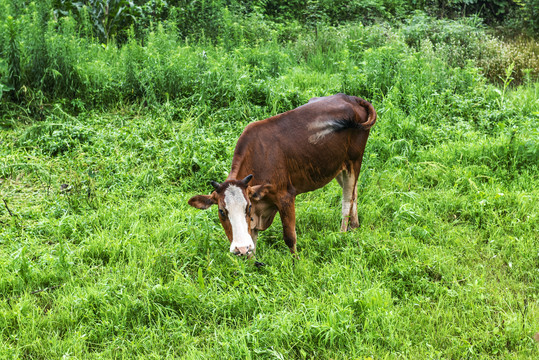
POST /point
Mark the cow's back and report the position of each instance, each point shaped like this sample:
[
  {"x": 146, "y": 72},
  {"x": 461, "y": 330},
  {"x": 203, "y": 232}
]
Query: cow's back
[{"x": 305, "y": 147}]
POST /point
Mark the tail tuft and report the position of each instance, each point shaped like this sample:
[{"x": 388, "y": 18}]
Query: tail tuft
[{"x": 371, "y": 119}]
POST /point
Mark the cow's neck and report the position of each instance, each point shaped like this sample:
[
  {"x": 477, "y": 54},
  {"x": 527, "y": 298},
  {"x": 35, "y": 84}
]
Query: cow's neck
[{"x": 238, "y": 169}]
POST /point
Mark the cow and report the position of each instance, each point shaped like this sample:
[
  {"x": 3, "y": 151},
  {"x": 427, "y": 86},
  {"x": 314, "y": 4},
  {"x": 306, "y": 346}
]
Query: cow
[{"x": 285, "y": 155}]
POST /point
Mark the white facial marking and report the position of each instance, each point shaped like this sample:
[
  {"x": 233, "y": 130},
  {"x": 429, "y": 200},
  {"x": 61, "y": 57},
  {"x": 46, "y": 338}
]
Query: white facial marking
[{"x": 235, "y": 204}]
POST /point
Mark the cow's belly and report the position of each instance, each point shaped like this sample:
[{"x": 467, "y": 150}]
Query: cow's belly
[{"x": 314, "y": 177}]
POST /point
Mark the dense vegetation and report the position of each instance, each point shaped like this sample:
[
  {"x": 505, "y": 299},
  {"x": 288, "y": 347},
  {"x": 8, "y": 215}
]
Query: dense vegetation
[{"x": 114, "y": 113}]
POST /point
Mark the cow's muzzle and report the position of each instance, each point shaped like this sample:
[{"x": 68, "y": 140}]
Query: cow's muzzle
[{"x": 244, "y": 251}]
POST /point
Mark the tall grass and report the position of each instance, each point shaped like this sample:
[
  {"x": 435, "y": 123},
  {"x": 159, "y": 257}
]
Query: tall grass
[
  {"x": 443, "y": 265},
  {"x": 59, "y": 57}
]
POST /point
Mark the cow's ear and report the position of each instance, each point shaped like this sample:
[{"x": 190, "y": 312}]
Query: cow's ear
[
  {"x": 202, "y": 201},
  {"x": 258, "y": 192}
]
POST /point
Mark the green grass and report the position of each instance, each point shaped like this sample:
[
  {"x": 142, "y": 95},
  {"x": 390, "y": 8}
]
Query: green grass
[
  {"x": 101, "y": 256},
  {"x": 444, "y": 264}
]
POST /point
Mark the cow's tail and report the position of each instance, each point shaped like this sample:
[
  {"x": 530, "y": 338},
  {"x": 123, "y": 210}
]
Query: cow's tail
[{"x": 371, "y": 118}]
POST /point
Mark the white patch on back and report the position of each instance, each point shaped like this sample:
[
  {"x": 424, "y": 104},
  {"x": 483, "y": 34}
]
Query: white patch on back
[
  {"x": 321, "y": 129},
  {"x": 235, "y": 204}
]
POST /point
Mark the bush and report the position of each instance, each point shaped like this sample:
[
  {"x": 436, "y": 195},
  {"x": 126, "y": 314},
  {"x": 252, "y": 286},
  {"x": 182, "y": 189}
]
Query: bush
[
  {"x": 13, "y": 56},
  {"x": 455, "y": 41},
  {"x": 530, "y": 16},
  {"x": 466, "y": 40},
  {"x": 521, "y": 53},
  {"x": 237, "y": 54}
]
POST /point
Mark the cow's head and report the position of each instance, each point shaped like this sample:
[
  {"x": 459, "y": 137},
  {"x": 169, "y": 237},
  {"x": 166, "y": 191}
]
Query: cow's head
[{"x": 233, "y": 199}]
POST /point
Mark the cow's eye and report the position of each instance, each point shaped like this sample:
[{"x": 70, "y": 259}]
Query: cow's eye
[
  {"x": 249, "y": 210},
  {"x": 222, "y": 213}
]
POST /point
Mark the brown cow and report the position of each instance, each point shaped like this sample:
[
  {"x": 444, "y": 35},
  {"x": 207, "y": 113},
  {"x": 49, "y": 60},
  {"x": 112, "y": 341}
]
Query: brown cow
[{"x": 288, "y": 154}]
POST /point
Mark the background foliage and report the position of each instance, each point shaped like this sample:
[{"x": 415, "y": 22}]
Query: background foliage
[
  {"x": 55, "y": 48},
  {"x": 114, "y": 113}
]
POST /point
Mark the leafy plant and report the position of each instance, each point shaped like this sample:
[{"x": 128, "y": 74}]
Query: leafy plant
[
  {"x": 530, "y": 15},
  {"x": 5, "y": 89},
  {"x": 109, "y": 17},
  {"x": 13, "y": 56}
]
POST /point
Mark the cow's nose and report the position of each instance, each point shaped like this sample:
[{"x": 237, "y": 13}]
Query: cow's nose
[{"x": 243, "y": 250}]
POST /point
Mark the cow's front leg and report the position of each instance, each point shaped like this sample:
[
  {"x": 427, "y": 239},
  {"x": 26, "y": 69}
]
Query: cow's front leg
[
  {"x": 254, "y": 236},
  {"x": 288, "y": 218}
]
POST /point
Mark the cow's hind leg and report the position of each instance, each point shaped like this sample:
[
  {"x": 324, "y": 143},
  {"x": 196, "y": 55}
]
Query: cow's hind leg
[{"x": 348, "y": 181}]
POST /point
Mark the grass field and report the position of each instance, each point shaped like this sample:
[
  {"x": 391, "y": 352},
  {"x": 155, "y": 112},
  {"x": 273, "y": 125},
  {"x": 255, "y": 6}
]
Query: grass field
[{"x": 101, "y": 256}]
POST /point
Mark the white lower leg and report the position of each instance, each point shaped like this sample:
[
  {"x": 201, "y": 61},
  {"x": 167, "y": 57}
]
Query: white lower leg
[
  {"x": 347, "y": 199},
  {"x": 354, "y": 221}
]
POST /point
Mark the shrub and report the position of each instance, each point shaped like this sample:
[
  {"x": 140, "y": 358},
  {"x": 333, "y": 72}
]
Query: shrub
[
  {"x": 36, "y": 57},
  {"x": 61, "y": 78},
  {"x": 530, "y": 16},
  {"x": 199, "y": 20},
  {"x": 466, "y": 40},
  {"x": 13, "y": 55},
  {"x": 455, "y": 41},
  {"x": 521, "y": 53}
]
